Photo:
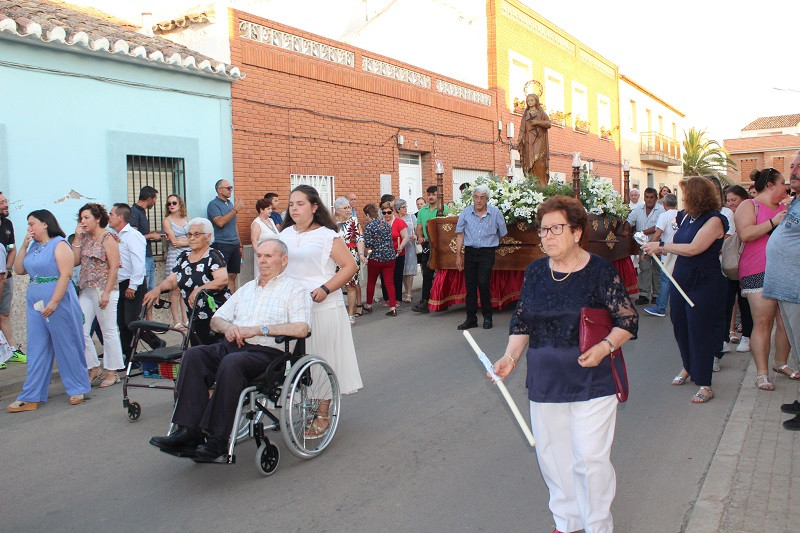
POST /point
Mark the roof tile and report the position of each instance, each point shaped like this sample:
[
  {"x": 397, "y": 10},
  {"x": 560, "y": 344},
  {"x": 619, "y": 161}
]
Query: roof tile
[{"x": 779, "y": 121}]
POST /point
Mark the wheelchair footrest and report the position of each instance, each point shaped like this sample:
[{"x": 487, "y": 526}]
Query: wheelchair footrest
[
  {"x": 223, "y": 459},
  {"x": 188, "y": 453}
]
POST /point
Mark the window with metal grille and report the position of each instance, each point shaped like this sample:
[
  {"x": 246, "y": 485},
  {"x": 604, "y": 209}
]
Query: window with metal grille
[
  {"x": 167, "y": 176},
  {"x": 323, "y": 185}
]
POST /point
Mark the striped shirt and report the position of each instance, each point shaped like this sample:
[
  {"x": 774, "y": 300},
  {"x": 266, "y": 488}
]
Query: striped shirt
[{"x": 282, "y": 300}]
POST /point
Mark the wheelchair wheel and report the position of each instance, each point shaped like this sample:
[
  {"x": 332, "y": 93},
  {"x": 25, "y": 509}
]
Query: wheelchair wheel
[
  {"x": 310, "y": 382},
  {"x": 267, "y": 458},
  {"x": 134, "y": 411}
]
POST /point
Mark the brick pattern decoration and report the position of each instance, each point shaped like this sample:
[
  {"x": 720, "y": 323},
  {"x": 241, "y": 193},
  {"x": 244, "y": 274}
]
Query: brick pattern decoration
[{"x": 776, "y": 151}]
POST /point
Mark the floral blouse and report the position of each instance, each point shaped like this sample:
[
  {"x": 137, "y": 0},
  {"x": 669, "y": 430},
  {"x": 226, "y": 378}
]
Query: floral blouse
[
  {"x": 378, "y": 238},
  {"x": 192, "y": 275},
  {"x": 94, "y": 263},
  {"x": 350, "y": 233}
]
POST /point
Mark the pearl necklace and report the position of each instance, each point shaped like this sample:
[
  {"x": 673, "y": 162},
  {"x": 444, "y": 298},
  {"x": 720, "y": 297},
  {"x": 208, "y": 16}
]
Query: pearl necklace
[{"x": 553, "y": 275}]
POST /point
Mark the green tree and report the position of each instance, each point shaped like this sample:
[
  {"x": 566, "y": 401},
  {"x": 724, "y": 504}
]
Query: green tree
[{"x": 702, "y": 155}]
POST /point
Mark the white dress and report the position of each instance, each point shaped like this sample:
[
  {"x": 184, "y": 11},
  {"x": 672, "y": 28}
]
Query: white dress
[
  {"x": 267, "y": 228},
  {"x": 331, "y": 338}
]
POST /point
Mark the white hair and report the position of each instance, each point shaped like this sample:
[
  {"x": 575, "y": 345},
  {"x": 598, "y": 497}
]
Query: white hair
[
  {"x": 634, "y": 190},
  {"x": 208, "y": 228},
  {"x": 482, "y": 189},
  {"x": 341, "y": 203},
  {"x": 399, "y": 204},
  {"x": 281, "y": 245}
]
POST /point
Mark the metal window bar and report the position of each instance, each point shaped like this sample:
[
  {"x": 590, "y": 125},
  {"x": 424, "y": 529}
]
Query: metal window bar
[
  {"x": 323, "y": 184},
  {"x": 168, "y": 176}
]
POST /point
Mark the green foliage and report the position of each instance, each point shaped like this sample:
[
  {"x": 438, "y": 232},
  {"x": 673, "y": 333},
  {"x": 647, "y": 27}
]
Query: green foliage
[{"x": 703, "y": 156}]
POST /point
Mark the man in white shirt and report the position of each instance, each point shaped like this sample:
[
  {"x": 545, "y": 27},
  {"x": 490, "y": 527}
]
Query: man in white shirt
[
  {"x": 643, "y": 218},
  {"x": 665, "y": 231},
  {"x": 270, "y": 306},
  {"x": 131, "y": 277}
]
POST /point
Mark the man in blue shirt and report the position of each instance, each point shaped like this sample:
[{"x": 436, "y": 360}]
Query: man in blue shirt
[
  {"x": 276, "y": 213},
  {"x": 478, "y": 232},
  {"x": 222, "y": 212}
]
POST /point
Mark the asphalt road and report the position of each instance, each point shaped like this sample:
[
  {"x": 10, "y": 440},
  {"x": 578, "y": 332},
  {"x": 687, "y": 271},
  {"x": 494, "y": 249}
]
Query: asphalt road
[{"x": 427, "y": 445}]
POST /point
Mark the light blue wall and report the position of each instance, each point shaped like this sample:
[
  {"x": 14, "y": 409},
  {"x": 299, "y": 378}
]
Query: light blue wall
[{"x": 72, "y": 132}]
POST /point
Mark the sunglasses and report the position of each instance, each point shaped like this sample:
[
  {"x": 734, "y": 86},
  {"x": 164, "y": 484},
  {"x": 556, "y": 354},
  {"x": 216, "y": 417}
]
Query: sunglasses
[
  {"x": 386, "y": 212},
  {"x": 173, "y": 203},
  {"x": 230, "y": 187}
]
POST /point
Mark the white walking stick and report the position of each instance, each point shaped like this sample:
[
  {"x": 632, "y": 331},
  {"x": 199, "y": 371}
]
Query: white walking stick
[
  {"x": 641, "y": 238},
  {"x": 500, "y": 385}
]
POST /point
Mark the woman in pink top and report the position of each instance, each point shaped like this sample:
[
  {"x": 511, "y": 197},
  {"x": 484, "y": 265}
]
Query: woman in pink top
[{"x": 755, "y": 219}]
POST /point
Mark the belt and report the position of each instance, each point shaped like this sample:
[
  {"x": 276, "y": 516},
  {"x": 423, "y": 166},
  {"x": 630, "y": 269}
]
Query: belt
[{"x": 39, "y": 280}]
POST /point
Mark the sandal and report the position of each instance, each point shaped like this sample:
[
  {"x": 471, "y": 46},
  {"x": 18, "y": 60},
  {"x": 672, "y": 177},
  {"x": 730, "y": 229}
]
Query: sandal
[
  {"x": 787, "y": 371},
  {"x": 762, "y": 383},
  {"x": 678, "y": 380},
  {"x": 703, "y": 398},
  {"x": 18, "y": 406},
  {"x": 180, "y": 326},
  {"x": 316, "y": 429},
  {"x": 95, "y": 375},
  {"x": 110, "y": 380},
  {"x": 361, "y": 312},
  {"x": 367, "y": 310},
  {"x": 76, "y": 399},
  {"x": 352, "y": 320}
]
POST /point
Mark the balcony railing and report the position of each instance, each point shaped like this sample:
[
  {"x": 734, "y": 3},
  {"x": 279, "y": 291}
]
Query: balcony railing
[{"x": 659, "y": 149}]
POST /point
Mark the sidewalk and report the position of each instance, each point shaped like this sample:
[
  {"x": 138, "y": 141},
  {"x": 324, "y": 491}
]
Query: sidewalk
[{"x": 753, "y": 483}]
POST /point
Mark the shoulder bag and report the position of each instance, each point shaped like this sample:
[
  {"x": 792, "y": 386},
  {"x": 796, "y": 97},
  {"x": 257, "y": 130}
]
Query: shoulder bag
[{"x": 595, "y": 326}]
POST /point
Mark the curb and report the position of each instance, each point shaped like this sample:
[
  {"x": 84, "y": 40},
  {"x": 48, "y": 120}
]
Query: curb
[
  {"x": 714, "y": 498},
  {"x": 13, "y": 387}
]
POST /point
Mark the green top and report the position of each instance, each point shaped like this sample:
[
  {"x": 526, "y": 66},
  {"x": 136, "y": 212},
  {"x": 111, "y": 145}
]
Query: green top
[{"x": 427, "y": 213}]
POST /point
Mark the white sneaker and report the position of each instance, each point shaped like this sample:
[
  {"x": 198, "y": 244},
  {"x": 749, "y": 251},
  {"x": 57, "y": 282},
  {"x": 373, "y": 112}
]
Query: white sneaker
[
  {"x": 744, "y": 345},
  {"x": 715, "y": 368},
  {"x": 726, "y": 347}
]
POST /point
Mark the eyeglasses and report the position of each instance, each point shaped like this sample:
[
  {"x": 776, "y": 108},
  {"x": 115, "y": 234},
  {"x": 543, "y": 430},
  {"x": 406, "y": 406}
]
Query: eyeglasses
[
  {"x": 386, "y": 212},
  {"x": 555, "y": 229},
  {"x": 229, "y": 187},
  {"x": 195, "y": 234},
  {"x": 173, "y": 203}
]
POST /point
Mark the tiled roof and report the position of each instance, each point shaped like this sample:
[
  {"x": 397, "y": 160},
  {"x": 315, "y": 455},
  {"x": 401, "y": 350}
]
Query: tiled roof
[
  {"x": 746, "y": 144},
  {"x": 60, "y": 23},
  {"x": 769, "y": 123}
]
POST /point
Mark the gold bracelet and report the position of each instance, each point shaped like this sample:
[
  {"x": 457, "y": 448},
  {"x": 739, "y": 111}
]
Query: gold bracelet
[{"x": 511, "y": 357}]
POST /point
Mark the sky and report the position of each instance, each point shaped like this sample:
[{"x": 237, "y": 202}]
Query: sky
[{"x": 723, "y": 64}]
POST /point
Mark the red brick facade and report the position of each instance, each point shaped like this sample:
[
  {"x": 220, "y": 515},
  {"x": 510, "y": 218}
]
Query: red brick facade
[{"x": 776, "y": 151}]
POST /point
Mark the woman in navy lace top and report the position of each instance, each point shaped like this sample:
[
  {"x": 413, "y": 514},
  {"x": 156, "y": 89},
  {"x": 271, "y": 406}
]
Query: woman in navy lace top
[{"x": 572, "y": 401}]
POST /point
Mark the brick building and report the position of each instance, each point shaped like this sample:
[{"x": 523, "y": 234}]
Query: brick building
[{"x": 765, "y": 142}]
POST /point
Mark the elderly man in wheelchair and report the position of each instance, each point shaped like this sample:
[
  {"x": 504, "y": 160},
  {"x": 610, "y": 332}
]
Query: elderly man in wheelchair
[{"x": 269, "y": 307}]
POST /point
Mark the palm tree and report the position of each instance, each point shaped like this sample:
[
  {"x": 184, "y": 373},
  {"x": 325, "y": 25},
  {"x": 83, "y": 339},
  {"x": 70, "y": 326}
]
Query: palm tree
[{"x": 703, "y": 156}]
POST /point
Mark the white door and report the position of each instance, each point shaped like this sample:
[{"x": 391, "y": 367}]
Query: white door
[{"x": 410, "y": 172}]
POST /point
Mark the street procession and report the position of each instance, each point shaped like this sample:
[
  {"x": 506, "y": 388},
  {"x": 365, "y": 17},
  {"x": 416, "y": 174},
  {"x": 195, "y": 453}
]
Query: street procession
[{"x": 398, "y": 265}]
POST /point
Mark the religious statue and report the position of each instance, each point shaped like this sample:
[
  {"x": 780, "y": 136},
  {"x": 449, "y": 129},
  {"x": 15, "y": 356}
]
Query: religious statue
[{"x": 534, "y": 150}]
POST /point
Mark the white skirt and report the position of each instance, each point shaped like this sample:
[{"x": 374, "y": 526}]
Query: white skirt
[{"x": 332, "y": 339}]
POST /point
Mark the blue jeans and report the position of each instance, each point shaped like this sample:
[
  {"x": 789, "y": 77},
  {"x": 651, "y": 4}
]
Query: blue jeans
[
  {"x": 663, "y": 294},
  {"x": 150, "y": 272}
]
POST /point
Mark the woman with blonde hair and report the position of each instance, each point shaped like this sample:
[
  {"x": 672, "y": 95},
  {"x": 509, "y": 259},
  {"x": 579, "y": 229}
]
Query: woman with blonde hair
[{"x": 175, "y": 225}]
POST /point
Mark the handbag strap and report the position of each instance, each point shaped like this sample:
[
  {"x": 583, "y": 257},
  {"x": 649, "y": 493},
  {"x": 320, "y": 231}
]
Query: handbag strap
[{"x": 620, "y": 392}]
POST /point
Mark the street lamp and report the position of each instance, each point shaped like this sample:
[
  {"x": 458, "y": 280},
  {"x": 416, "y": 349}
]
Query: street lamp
[
  {"x": 439, "y": 187},
  {"x": 576, "y": 175},
  {"x": 626, "y": 185}
]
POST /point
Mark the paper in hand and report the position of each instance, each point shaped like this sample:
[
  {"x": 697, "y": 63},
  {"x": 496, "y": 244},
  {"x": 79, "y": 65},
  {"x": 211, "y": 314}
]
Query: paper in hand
[{"x": 39, "y": 306}]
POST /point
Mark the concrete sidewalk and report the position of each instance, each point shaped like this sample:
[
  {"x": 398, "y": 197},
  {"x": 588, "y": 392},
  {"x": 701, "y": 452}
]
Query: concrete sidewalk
[{"x": 753, "y": 483}]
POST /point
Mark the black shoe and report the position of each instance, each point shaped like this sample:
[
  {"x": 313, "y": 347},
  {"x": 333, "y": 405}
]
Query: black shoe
[
  {"x": 487, "y": 323},
  {"x": 161, "y": 343},
  {"x": 642, "y": 300},
  {"x": 421, "y": 307},
  {"x": 653, "y": 299},
  {"x": 183, "y": 438},
  {"x": 793, "y": 424},
  {"x": 213, "y": 448},
  {"x": 791, "y": 408},
  {"x": 468, "y": 324}
]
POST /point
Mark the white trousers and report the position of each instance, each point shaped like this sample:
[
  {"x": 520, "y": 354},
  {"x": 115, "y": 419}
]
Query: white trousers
[
  {"x": 573, "y": 446},
  {"x": 89, "y": 300}
]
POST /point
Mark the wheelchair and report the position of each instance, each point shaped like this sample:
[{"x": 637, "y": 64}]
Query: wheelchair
[{"x": 293, "y": 386}]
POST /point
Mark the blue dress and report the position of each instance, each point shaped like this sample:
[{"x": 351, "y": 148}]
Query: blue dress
[
  {"x": 58, "y": 337},
  {"x": 698, "y": 329}
]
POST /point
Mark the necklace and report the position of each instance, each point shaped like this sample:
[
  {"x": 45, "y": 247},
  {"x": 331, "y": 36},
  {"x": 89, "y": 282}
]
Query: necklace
[
  {"x": 41, "y": 248},
  {"x": 299, "y": 234},
  {"x": 553, "y": 275}
]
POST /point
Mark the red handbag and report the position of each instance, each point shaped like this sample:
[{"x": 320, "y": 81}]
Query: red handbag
[{"x": 595, "y": 326}]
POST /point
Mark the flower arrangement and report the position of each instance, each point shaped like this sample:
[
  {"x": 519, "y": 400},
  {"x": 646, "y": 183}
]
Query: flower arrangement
[
  {"x": 519, "y": 199},
  {"x": 605, "y": 133},
  {"x": 582, "y": 125},
  {"x": 519, "y": 105},
  {"x": 558, "y": 118}
]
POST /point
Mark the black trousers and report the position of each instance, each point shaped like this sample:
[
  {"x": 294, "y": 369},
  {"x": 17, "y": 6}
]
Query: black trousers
[
  {"x": 232, "y": 368},
  {"x": 427, "y": 273},
  {"x": 478, "y": 264},
  {"x": 127, "y": 312}
]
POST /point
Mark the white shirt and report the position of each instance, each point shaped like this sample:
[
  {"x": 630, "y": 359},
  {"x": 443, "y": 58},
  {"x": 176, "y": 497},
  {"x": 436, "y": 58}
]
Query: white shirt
[
  {"x": 666, "y": 223},
  {"x": 728, "y": 213},
  {"x": 310, "y": 261},
  {"x": 132, "y": 245},
  {"x": 640, "y": 220},
  {"x": 282, "y": 300}
]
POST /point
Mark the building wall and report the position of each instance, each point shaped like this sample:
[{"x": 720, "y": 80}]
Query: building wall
[
  {"x": 750, "y": 153},
  {"x": 519, "y": 34},
  {"x": 298, "y": 114},
  {"x": 634, "y": 104},
  {"x": 69, "y": 132}
]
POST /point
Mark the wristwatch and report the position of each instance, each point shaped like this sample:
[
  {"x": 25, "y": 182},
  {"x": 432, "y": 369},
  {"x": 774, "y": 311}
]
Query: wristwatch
[{"x": 265, "y": 330}]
